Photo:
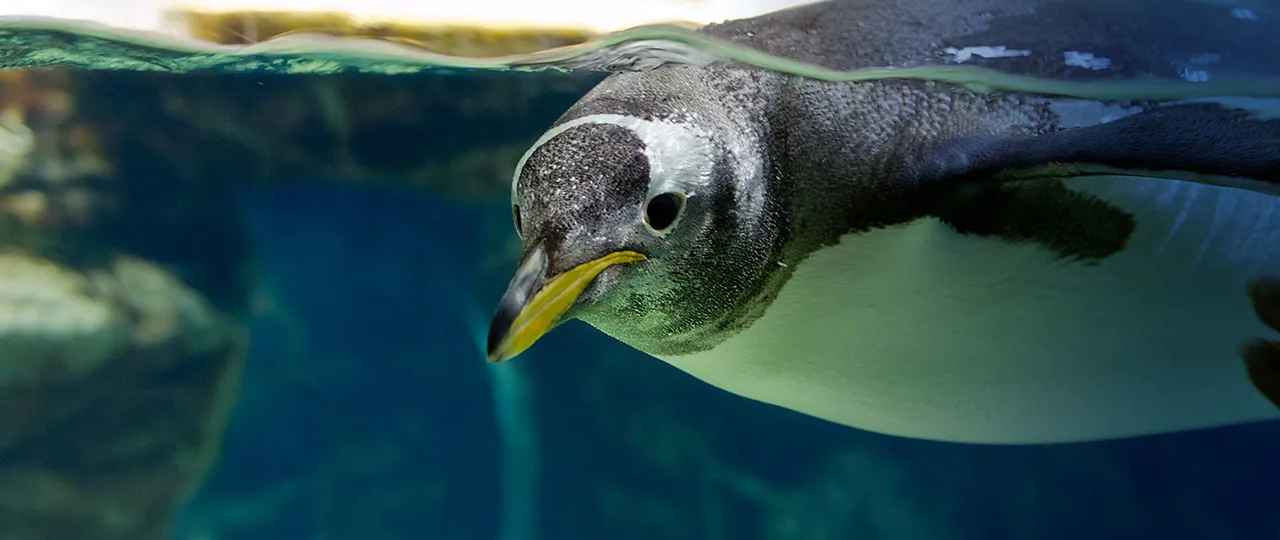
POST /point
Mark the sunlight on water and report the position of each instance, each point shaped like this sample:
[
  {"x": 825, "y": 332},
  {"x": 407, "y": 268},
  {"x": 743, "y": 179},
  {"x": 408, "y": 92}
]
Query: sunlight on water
[
  {"x": 598, "y": 15},
  {"x": 41, "y": 43}
]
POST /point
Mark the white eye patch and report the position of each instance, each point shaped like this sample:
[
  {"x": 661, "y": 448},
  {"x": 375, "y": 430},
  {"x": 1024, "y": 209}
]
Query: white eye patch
[{"x": 681, "y": 157}]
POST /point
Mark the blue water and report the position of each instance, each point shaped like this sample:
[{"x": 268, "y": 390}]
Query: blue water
[{"x": 368, "y": 413}]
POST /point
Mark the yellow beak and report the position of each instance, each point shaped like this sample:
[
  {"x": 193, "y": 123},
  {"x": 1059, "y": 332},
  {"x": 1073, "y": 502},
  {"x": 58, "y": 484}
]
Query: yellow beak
[{"x": 522, "y": 318}]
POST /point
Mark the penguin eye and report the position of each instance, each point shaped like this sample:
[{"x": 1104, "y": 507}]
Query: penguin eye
[
  {"x": 515, "y": 216},
  {"x": 661, "y": 211}
]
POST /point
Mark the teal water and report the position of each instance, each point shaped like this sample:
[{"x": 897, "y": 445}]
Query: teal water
[
  {"x": 32, "y": 42},
  {"x": 367, "y": 410},
  {"x": 366, "y": 415}
]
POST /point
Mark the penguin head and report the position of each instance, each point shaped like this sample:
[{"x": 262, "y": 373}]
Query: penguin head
[{"x": 638, "y": 226}]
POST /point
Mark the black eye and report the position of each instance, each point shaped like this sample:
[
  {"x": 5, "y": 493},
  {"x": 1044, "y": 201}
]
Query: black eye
[
  {"x": 515, "y": 215},
  {"x": 662, "y": 210}
]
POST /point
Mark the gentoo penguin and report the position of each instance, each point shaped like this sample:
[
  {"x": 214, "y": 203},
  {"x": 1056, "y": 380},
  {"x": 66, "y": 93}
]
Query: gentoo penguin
[{"x": 919, "y": 259}]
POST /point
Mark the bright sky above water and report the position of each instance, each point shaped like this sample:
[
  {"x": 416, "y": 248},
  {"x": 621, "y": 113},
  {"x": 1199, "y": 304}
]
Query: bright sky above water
[{"x": 601, "y": 15}]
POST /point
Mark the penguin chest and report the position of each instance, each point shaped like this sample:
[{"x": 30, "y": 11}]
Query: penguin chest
[{"x": 924, "y": 332}]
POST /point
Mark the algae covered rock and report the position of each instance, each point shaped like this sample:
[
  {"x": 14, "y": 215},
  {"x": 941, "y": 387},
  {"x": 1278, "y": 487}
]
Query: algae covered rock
[
  {"x": 54, "y": 323},
  {"x": 121, "y": 331},
  {"x": 115, "y": 384},
  {"x": 238, "y": 27},
  {"x": 125, "y": 271}
]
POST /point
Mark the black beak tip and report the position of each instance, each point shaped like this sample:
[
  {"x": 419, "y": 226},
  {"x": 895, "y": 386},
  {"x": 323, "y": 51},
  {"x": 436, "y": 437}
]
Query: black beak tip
[
  {"x": 1264, "y": 287},
  {"x": 498, "y": 330}
]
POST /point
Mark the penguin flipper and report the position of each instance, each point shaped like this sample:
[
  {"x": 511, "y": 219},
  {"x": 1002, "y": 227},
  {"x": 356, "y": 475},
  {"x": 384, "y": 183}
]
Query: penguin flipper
[
  {"x": 1262, "y": 357},
  {"x": 1206, "y": 142}
]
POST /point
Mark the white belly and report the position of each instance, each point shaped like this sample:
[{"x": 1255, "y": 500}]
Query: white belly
[{"x": 921, "y": 332}]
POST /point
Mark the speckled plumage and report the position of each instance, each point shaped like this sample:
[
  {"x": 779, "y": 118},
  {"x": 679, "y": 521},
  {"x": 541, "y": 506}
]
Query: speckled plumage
[{"x": 896, "y": 202}]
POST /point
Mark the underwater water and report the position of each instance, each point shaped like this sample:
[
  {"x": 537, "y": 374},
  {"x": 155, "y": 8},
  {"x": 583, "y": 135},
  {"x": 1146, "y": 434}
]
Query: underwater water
[
  {"x": 368, "y": 414},
  {"x": 336, "y": 216}
]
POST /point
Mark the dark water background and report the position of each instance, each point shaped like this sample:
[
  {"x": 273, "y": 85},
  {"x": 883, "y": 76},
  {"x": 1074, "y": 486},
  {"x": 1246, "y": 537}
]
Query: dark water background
[{"x": 367, "y": 413}]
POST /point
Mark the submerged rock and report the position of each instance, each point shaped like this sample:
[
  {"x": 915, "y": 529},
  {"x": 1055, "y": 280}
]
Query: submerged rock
[
  {"x": 122, "y": 328},
  {"x": 115, "y": 385},
  {"x": 125, "y": 279},
  {"x": 254, "y": 26}
]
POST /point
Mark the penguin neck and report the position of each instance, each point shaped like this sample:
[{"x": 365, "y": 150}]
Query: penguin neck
[{"x": 834, "y": 147}]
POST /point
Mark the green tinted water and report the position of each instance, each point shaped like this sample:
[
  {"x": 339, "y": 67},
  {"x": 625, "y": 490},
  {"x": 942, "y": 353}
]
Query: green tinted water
[{"x": 34, "y": 42}]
